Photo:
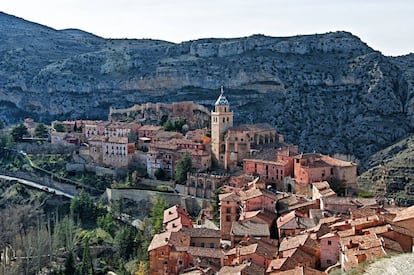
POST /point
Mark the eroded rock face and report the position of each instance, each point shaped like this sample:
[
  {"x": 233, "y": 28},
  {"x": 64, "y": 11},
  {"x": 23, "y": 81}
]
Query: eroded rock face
[{"x": 327, "y": 92}]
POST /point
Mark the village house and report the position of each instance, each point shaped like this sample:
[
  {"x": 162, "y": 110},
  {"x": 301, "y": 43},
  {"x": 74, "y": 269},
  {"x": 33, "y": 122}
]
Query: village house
[
  {"x": 167, "y": 253},
  {"x": 315, "y": 167},
  {"x": 258, "y": 199},
  {"x": 290, "y": 259},
  {"x": 356, "y": 249},
  {"x": 242, "y": 229},
  {"x": 405, "y": 218},
  {"x": 164, "y": 153},
  {"x": 92, "y": 128},
  {"x": 329, "y": 249},
  {"x": 322, "y": 189},
  {"x": 176, "y": 218},
  {"x": 162, "y": 156},
  {"x": 346, "y": 204},
  {"x": 121, "y": 129},
  {"x": 248, "y": 268},
  {"x": 302, "y": 270},
  {"x": 272, "y": 165},
  {"x": 229, "y": 212},
  {"x": 148, "y": 131},
  {"x": 111, "y": 152},
  {"x": 256, "y": 251}
]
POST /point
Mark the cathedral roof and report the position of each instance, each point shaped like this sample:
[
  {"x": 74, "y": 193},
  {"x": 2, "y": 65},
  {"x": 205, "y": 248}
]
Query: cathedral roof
[{"x": 222, "y": 100}]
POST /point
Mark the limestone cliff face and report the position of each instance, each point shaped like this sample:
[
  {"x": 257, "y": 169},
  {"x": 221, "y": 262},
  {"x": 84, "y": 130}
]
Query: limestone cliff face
[
  {"x": 327, "y": 92},
  {"x": 390, "y": 172}
]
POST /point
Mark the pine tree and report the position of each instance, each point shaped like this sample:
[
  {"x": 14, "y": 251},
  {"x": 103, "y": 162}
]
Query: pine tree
[{"x": 183, "y": 167}]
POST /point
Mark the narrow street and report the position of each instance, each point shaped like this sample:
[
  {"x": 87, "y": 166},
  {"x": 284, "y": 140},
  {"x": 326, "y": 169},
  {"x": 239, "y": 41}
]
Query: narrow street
[{"x": 39, "y": 186}]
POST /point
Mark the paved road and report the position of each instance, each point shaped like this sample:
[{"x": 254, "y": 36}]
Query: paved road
[{"x": 39, "y": 186}]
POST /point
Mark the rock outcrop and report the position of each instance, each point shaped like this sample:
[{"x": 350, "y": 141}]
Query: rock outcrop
[
  {"x": 328, "y": 92},
  {"x": 390, "y": 172}
]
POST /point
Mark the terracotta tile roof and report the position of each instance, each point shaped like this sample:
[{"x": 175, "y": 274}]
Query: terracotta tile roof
[
  {"x": 267, "y": 159},
  {"x": 205, "y": 252},
  {"x": 321, "y": 185},
  {"x": 282, "y": 220},
  {"x": 246, "y": 268},
  {"x": 365, "y": 220},
  {"x": 202, "y": 232},
  {"x": 254, "y": 192},
  {"x": 329, "y": 220},
  {"x": 265, "y": 247},
  {"x": 229, "y": 197},
  {"x": 337, "y": 162},
  {"x": 249, "y": 228},
  {"x": 352, "y": 259},
  {"x": 292, "y": 259},
  {"x": 346, "y": 233},
  {"x": 361, "y": 241},
  {"x": 243, "y": 250},
  {"x": 173, "y": 213},
  {"x": 293, "y": 242},
  {"x": 362, "y": 212},
  {"x": 177, "y": 239},
  {"x": 378, "y": 229},
  {"x": 263, "y": 215},
  {"x": 276, "y": 264},
  {"x": 359, "y": 202},
  {"x": 260, "y": 248},
  {"x": 302, "y": 270},
  {"x": 196, "y": 270},
  {"x": 405, "y": 214}
]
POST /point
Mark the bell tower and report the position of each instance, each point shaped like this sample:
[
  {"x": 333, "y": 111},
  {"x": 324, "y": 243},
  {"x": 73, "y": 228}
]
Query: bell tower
[{"x": 221, "y": 120}]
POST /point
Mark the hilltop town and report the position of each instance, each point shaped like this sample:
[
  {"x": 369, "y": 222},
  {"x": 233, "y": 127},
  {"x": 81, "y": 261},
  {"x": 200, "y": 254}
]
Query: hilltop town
[{"x": 240, "y": 199}]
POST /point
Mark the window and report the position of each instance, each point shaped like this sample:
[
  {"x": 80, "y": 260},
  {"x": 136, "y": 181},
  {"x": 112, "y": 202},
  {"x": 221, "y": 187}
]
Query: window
[
  {"x": 329, "y": 242},
  {"x": 228, "y": 218},
  {"x": 228, "y": 210},
  {"x": 328, "y": 261},
  {"x": 180, "y": 262},
  {"x": 211, "y": 245}
]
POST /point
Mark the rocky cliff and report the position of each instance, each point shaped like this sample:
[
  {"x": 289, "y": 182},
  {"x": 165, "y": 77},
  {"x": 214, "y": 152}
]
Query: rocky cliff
[
  {"x": 327, "y": 92},
  {"x": 390, "y": 172}
]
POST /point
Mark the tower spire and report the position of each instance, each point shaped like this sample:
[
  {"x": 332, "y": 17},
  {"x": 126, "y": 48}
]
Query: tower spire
[{"x": 222, "y": 91}]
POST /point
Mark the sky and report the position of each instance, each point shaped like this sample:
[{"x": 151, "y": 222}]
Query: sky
[{"x": 385, "y": 25}]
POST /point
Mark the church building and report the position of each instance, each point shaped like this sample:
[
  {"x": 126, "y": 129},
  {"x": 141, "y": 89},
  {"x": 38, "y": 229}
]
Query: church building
[{"x": 229, "y": 144}]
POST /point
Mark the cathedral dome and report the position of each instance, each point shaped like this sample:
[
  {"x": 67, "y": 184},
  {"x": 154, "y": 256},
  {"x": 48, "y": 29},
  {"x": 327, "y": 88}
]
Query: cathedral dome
[{"x": 222, "y": 100}]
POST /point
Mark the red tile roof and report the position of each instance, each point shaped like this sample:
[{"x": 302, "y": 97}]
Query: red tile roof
[
  {"x": 405, "y": 214},
  {"x": 177, "y": 239},
  {"x": 302, "y": 270},
  {"x": 249, "y": 228}
]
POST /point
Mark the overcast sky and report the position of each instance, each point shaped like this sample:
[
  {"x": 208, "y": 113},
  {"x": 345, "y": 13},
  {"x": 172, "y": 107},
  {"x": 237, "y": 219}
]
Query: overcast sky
[{"x": 385, "y": 25}]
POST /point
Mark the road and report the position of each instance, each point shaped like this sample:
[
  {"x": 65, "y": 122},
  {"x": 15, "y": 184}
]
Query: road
[{"x": 39, "y": 186}]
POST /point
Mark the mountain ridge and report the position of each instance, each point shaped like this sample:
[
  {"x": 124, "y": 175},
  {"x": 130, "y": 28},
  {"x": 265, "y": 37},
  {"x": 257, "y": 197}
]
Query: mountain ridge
[{"x": 326, "y": 92}]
